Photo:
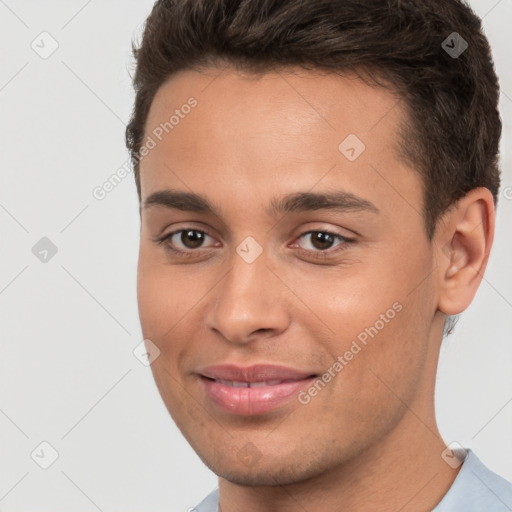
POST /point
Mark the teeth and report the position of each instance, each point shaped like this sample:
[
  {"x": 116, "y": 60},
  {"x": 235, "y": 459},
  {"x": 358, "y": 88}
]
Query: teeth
[
  {"x": 259, "y": 384},
  {"x": 236, "y": 384},
  {"x": 264, "y": 383},
  {"x": 233, "y": 383}
]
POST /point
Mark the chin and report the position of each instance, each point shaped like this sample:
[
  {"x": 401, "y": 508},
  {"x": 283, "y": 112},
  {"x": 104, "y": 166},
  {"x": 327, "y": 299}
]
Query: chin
[
  {"x": 267, "y": 473},
  {"x": 264, "y": 477}
]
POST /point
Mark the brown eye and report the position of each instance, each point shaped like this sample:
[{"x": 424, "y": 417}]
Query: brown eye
[
  {"x": 185, "y": 241},
  {"x": 191, "y": 238},
  {"x": 322, "y": 240},
  {"x": 323, "y": 245}
]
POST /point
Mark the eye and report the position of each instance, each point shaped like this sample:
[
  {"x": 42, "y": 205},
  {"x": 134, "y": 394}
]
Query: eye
[
  {"x": 321, "y": 242},
  {"x": 184, "y": 241},
  {"x": 189, "y": 242},
  {"x": 321, "y": 239}
]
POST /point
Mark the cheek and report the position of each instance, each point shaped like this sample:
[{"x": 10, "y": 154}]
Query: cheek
[
  {"x": 351, "y": 303},
  {"x": 163, "y": 297},
  {"x": 378, "y": 320},
  {"x": 154, "y": 300},
  {"x": 169, "y": 303}
]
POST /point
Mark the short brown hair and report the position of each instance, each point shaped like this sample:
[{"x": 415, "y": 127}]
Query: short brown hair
[{"x": 453, "y": 126}]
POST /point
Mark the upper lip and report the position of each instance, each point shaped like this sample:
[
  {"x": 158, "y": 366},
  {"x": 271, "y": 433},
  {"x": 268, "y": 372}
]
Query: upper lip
[{"x": 254, "y": 373}]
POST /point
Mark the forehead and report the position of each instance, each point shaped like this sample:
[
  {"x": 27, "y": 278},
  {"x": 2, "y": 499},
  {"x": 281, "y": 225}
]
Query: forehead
[
  {"x": 288, "y": 129},
  {"x": 298, "y": 104}
]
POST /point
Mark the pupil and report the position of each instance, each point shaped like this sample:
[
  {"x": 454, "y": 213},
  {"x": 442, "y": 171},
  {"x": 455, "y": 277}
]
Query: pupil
[
  {"x": 322, "y": 240},
  {"x": 195, "y": 238}
]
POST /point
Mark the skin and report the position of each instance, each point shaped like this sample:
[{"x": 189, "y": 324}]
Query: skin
[{"x": 368, "y": 439}]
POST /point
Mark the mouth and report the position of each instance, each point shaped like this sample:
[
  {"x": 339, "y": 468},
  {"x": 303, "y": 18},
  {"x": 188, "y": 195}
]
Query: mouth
[
  {"x": 240, "y": 384},
  {"x": 253, "y": 390}
]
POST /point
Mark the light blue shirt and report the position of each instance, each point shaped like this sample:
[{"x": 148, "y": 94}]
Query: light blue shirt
[{"x": 476, "y": 489}]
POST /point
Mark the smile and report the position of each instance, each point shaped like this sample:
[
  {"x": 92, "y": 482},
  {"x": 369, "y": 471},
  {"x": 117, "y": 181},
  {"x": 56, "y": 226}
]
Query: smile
[{"x": 252, "y": 390}]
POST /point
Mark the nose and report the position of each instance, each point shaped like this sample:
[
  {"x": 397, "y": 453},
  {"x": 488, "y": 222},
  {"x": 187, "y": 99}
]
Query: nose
[{"x": 249, "y": 303}]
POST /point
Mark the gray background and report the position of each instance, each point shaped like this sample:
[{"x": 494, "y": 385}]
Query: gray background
[{"x": 68, "y": 375}]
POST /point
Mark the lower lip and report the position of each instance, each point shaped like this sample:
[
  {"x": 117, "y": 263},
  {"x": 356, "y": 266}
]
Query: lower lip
[{"x": 253, "y": 401}]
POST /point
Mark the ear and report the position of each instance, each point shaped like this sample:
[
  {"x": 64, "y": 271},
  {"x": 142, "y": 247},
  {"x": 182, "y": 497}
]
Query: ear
[{"x": 463, "y": 241}]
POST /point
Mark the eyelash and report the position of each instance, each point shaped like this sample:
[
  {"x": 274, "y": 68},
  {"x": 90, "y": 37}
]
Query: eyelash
[{"x": 319, "y": 255}]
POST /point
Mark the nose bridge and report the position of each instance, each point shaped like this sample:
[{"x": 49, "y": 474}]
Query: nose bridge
[{"x": 245, "y": 301}]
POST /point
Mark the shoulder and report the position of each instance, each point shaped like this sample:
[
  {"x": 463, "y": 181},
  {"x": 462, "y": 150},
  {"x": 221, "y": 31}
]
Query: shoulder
[
  {"x": 477, "y": 488},
  {"x": 209, "y": 504}
]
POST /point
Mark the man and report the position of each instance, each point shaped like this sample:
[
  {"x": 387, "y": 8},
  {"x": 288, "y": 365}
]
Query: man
[{"x": 317, "y": 183}]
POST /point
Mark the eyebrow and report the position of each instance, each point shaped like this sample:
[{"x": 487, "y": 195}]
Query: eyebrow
[{"x": 295, "y": 202}]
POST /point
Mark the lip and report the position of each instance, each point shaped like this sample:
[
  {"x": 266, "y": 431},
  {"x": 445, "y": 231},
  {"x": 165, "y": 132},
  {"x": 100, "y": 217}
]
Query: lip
[{"x": 281, "y": 385}]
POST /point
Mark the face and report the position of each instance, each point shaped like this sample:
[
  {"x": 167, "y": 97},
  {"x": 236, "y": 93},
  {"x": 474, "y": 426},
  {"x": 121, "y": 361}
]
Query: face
[{"x": 284, "y": 270}]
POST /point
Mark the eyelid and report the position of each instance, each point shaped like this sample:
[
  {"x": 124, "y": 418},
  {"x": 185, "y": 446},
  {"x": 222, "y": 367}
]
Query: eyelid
[
  {"x": 327, "y": 254},
  {"x": 327, "y": 232},
  {"x": 345, "y": 240},
  {"x": 163, "y": 238}
]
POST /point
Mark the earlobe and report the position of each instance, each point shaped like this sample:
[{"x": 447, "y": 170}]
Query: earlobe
[{"x": 464, "y": 243}]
